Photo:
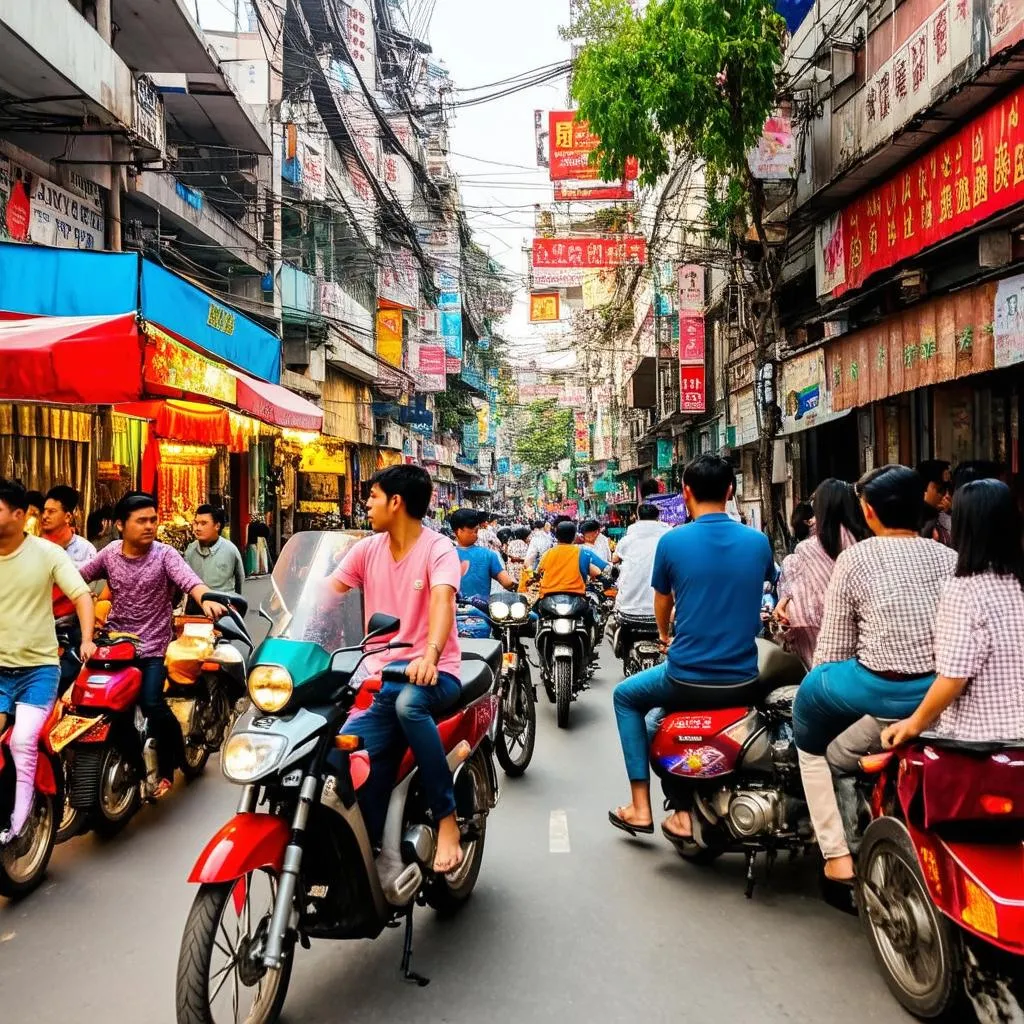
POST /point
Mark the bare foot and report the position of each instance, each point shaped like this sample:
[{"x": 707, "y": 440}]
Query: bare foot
[
  {"x": 840, "y": 869},
  {"x": 632, "y": 816},
  {"x": 448, "y": 855},
  {"x": 679, "y": 825}
]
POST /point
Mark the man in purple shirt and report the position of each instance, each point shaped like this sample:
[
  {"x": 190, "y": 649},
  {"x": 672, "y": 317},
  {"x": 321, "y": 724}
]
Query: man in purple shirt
[{"x": 145, "y": 577}]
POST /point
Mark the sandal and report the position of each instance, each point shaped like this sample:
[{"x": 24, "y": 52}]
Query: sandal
[
  {"x": 839, "y": 893},
  {"x": 675, "y": 838},
  {"x": 627, "y": 826}
]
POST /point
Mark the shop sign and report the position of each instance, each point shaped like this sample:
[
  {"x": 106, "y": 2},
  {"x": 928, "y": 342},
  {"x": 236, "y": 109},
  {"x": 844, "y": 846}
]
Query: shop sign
[
  {"x": 221, "y": 319},
  {"x": 664, "y": 457},
  {"x": 691, "y": 288},
  {"x": 692, "y": 388},
  {"x": 582, "y": 435},
  {"x": 559, "y": 277},
  {"x": 18, "y": 212},
  {"x": 691, "y": 339},
  {"x": 389, "y": 336},
  {"x": 805, "y": 398},
  {"x": 774, "y": 156},
  {"x": 976, "y": 173},
  {"x": 148, "y": 113},
  {"x": 589, "y": 253},
  {"x": 451, "y": 331},
  {"x": 314, "y": 172},
  {"x": 170, "y": 364},
  {"x": 432, "y": 368},
  {"x": 398, "y": 278},
  {"x": 1006, "y": 23},
  {"x": 544, "y": 307},
  {"x": 1009, "y": 321},
  {"x": 570, "y": 144},
  {"x": 743, "y": 417},
  {"x": 935, "y": 341},
  {"x": 605, "y": 191}
]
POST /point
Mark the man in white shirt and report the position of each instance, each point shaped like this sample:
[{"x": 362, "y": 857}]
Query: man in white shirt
[
  {"x": 58, "y": 522},
  {"x": 594, "y": 539},
  {"x": 636, "y": 553},
  {"x": 540, "y": 542}
]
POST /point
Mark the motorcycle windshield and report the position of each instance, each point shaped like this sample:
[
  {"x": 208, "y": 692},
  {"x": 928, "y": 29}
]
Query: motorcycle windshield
[{"x": 302, "y": 605}]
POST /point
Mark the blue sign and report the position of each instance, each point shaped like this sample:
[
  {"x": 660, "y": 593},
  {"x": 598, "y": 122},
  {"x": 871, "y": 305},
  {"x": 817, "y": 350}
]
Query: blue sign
[
  {"x": 807, "y": 400},
  {"x": 483, "y": 344},
  {"x": 502, "y": 467},
  {"x": 449, "y": 300}
]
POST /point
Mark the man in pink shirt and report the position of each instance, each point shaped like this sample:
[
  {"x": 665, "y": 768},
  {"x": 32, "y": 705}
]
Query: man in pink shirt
[{"x": 414, "y": 574}]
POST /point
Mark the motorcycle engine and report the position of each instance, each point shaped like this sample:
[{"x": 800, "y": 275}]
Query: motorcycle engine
[{"x": 754, "y": 812}]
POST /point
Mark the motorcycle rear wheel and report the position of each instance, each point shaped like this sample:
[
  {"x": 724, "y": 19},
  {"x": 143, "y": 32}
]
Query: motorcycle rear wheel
[
  {"x": 517, "y": 724},
  {"x": 918, "y": 951},
  {"x": 196, "y": 756},
  {"x": 23, "y": 862},
  {"x": 117, "y": 794},
  {"x": 71, "y": 823},
  {"x": 561, "y": 674},
  {"x": 216, "y": 919}
]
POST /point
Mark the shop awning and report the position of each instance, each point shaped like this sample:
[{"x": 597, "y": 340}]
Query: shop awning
[
  {"x": 72, "y": 360},
  {"x": 277, "y": 405}
]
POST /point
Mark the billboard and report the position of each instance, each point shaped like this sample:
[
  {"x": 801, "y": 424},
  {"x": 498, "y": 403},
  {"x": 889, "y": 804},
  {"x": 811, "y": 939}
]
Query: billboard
[
  {"x": 544, "y": 308},
  {"x": 570, "y": 143},
  {"x": 589, "y": 253}
]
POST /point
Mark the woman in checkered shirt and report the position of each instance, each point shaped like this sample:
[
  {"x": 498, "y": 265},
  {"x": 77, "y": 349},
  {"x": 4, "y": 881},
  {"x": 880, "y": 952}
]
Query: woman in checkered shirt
[
  {"x": 979, "y": 643},
  {"x": 876, "y": 650}
]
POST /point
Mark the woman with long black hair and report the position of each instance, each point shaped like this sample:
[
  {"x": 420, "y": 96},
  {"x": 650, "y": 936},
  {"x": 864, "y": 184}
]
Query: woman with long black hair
[
  {"x": 979, "y": 643},
  {"x": 838, "y": 524}
]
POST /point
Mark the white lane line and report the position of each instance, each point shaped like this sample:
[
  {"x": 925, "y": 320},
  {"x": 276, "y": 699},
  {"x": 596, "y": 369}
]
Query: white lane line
[{"x": 558, "y": 832}]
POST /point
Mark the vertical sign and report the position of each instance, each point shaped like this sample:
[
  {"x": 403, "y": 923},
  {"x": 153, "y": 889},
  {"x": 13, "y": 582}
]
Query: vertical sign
[{"x": 692, "y": 371}]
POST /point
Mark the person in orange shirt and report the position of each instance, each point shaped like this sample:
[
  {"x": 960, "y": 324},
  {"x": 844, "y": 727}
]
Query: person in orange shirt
[{"x": 566, "y": 567}]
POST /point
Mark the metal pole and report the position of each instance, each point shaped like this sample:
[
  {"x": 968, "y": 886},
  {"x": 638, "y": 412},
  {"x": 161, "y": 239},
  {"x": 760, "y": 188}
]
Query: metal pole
[{"x": 104, "y": 21}]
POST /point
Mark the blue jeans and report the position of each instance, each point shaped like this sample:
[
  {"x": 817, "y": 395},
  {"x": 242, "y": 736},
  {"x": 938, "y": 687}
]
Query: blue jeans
[
  {"x": 161, "y": 724},
  {"x": 36, "y": 686},
  {"x": 404, "y": 713},
  {"x": 835, "y": 695}
]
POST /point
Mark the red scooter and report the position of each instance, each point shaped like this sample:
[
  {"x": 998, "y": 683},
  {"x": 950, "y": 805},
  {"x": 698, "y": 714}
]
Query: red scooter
[
  {"x": 23, "y": 861},
  {"x": 940, "y": 877}
]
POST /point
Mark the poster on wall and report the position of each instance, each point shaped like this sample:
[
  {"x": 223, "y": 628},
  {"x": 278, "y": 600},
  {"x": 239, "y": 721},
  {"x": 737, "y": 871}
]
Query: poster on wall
[
  {"x": 389, "y": 336},
  {"x": 1009, "y": 321},
  {"x": 692, "y": 388},
  {"x": 544, "y": 307},
  {"x": 570, "y": 144}
]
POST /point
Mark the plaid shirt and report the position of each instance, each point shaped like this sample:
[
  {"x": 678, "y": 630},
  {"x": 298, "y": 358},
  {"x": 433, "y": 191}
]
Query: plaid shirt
[
  {"x": 980, "y": 637},
  {"x": 881, "y": 603}
]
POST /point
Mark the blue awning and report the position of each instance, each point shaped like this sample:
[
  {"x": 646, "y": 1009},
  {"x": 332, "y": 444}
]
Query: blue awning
[{"x": 42, "y": 281}]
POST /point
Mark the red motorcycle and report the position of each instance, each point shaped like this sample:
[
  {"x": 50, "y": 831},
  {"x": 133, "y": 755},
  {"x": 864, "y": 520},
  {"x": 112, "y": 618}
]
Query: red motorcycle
[
  {"x": 296, "y": 862},
  {"x": 940, "y": 877},
  {"x": 23, "y": 861}
]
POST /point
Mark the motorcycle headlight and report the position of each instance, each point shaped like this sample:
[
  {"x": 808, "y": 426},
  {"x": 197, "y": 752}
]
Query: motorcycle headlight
[
  {"x": 249, "y": 755},
  {"x": 499, "y": 610},
  {"x": 563, "y": 608},
  {"x": 518, "y": 610},
  {"x": 562, "y": 626},
  {"x": 270, "y": 687}
]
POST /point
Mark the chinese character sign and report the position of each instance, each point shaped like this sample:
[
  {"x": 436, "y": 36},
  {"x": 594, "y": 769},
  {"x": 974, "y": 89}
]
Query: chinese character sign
[
  {"x": 589, "y": 253},
  {"x": 977, "y": 172},
  {"x": 692, "y": 386},
  {"x": 691, "y": 288},
  {"x": 570, "y": 143},
  {"x": 544, "y": 307},
  {"x": 582, "y": 434}
]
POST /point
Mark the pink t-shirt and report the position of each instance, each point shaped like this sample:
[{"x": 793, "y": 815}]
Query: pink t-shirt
[{"x": 403, "y": 589}]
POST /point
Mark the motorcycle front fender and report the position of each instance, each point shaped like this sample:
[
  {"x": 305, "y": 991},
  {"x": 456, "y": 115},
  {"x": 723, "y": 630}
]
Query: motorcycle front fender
[{"x": 246, "y": 843}]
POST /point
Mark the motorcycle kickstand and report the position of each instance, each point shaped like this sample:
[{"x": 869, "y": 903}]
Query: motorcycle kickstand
[
  {"x": 751, "y": 856},
  {"x": 407, "y": 973}
]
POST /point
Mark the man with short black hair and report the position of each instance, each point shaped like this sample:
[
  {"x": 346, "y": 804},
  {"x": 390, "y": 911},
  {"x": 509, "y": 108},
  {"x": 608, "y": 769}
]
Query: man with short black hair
[
  {"x": 595, "y": 540},
  {"x": 710, "y": 575},
  {"x": 215, "y": 560},
  {"x": 480, "y": 564},
  {"x": 938, "y": 492},
  {"x": 58, "y": 521},
  {"x": 567, "y": 566}
]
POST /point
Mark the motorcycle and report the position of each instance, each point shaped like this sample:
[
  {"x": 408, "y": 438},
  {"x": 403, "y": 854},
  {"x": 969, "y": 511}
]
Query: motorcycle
[
  {"x": 508, "y": 617},
  {"x": 635, "y": 640},
  {"x": 601, "y": 593},
  {"x": 939, "y": 881},
  {"x": 23, "y": 861},
  {"x": 303, "y": 867},
  {"x": 565, "y": 645},
  {"x": 108, "y": 764},
  {"x": 736, "y": 770}
]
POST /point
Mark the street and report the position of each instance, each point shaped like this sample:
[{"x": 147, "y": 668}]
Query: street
[{"x": 570, "y": 921}]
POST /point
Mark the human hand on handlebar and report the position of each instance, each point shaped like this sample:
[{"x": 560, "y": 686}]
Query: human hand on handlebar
[
  {"x": 87, "y": 650},
  {"x": 213, "y": 609}
]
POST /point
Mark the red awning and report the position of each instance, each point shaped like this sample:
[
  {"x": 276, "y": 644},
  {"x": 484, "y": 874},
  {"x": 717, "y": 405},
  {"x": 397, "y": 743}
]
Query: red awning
[
  {"x": 277, "y": 405},
  {"x": 72, "y": 360}
]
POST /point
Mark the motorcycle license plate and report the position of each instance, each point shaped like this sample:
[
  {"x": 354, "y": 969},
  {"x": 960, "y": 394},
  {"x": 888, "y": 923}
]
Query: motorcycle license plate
[{"x": 68, "y": 729}]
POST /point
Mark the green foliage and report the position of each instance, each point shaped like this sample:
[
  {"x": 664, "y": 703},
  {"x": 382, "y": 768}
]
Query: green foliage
[
  {"x": 453, "y": 408},
  {"x": 544, "y": 440},
  {"x": 691, "y": 76}
]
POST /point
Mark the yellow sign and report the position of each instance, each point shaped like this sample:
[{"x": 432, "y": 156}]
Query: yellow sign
[
  {"x": 544, "y": 307},
  {"x": 318, "y": 458},
  {"x": 483, "y": 423},
  {"x": 598, "y": 288},
  {"x": 389, "y": 336},
  {"x": 171, "y": 364},
  {"x": 221, "y": 319}
]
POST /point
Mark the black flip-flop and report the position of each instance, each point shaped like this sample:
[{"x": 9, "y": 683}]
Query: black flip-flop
[
  {"x": 674, "y": 837},
  {"x": 839, "y": 893},
  {"x": 633, "y": 830}
]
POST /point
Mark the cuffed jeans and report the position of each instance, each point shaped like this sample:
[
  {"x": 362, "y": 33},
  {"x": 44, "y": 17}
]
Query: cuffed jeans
[
  {"x": 404, "y": 713},
  {"x": 830, "y": 699},
  {"x": 161, "y": 724}
]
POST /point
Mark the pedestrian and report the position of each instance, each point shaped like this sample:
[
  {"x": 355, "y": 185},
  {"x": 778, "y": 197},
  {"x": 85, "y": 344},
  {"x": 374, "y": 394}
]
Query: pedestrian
[
  {"x": 801, "y": 522},
  {"x": 58, "y": 524},
  {"x": 540, "y": 541},
  {"x": 876, "y": 649},
  {"x": 213, "y": 558},
  {"x": 978, "y": 694},
  {"x": 480, "y": 565},
  {"x": 838, "y": 524},
  {"x": 29, "y": 664},
  {"x": 145, "y": 576},
  {"x": 938, "y": 491},
  {"x": 99, "y": 527},
  {"x": 517, "y": 549},
  {"x": 34, "y": 516}
]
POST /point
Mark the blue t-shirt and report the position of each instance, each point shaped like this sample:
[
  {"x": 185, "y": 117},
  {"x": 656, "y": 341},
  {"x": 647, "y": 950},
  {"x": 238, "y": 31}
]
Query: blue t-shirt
[
  {"x": 484, "y": 566},
  {"x": 716, "y": 569},
  {"x": 589, "y": 558}
]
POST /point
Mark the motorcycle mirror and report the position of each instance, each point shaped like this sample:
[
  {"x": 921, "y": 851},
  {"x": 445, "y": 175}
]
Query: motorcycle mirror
[
  {"x": 230, "y": 628},
  {"x": 381, "y": 624}
]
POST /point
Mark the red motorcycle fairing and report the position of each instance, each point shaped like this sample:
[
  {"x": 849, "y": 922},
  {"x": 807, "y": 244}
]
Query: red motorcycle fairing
[
  {"x": 469, "y": 724},
  {"x": 46, "y": 779},
  {"x": 698, "y": 744},
  {"x": 246, "y": 843},
  {"x": 111, "y": 690}
]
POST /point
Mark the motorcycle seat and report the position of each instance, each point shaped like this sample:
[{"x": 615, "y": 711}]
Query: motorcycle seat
[
  {"x": 971, "y": 746},
  {"x": 488, "y": 651},
  {"x": 476, "y": 679}
]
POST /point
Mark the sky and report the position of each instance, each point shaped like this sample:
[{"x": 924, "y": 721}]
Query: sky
[{"x": 481, "y": 41}]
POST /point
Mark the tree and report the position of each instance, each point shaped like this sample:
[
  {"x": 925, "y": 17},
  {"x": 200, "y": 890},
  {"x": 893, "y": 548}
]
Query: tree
[
  {"x": 694, "y": 79},
  {"x": 545, "y": 439}
]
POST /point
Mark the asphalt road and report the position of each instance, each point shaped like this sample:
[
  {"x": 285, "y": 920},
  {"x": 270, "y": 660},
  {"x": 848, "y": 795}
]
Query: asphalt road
[{"x": 571, "y": 921}]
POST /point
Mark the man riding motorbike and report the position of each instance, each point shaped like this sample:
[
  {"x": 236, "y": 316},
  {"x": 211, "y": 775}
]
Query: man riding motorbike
[
  {"x": 414, "y": 574},
  {"x": 145, "y": 576},
  {"x": 480, "y": 564},
  {"x": 711, "y": 573},
  {"x": 565, "y": 568}
]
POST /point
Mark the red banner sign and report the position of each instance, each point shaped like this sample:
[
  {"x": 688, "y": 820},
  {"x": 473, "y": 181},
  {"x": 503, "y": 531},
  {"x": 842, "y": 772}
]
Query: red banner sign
[
  {"x": 974, "y": 174},
  {"x": 566, "y": 192},
  {"x": 692, "y": 388},
  {"x": 590, "y": 253},
  {"x": 570, "y": 144},
  {"x": 691, "y": 338}
]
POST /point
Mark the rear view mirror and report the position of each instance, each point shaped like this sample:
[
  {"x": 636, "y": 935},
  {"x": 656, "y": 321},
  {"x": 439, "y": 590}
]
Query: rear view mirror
[
  {"x": 381, "y": 624},
  {"x": 231, "y": 629}
]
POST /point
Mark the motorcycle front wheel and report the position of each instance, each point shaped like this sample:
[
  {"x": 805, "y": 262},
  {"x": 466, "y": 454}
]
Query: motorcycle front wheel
[
  {"x": 23, "y": 861},
  {"x": 221, "y": 977},
  {"x": 561, "y": 675},
  {"x": 517, "y": 725},
  {"x": 117, "y": 795},
  {"x": 917, "y": 949}
]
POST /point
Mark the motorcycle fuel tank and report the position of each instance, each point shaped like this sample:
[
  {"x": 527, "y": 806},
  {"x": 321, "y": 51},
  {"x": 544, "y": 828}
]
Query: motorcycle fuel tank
[{"x": 702, "y": 744}]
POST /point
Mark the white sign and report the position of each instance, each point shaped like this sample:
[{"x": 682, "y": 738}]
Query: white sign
[
  {"x": 357, "y": 25},
  {"x": 398, "y": 278},
  {"x": 148, "y": 113},
  {"x": 1009, "y": 321},
  {"x": 314, "y": 172},
  {"x": 558, "y": 277},
  {"x": 336, "y": 303}
]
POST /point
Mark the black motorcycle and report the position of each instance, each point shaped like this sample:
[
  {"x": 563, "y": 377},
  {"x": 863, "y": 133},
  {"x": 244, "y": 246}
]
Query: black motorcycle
[
  {"x": 565, "y": 643},
  {"x": 635, "y": 641}
]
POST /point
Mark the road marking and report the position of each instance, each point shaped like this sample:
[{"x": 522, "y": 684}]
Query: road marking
[{"x": 558, "y": 833}]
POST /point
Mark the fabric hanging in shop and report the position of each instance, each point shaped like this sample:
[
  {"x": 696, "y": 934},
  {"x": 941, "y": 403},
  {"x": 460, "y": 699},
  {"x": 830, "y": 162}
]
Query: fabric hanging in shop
[
  {"x": 188, "y": 422},
  {"x": 74, "y": 360},
  {"x": 387, "y": 458},
  {"x": 130, "y": 437},
  {"x": 277, "y": 405},
  {"x": 367, "y": 463}
]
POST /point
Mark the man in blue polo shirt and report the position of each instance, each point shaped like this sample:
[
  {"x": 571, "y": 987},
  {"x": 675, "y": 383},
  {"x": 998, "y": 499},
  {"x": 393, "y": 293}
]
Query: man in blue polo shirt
[
  {"x": 480, "y": 564},
  {"x": 711, "y": 574}
]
